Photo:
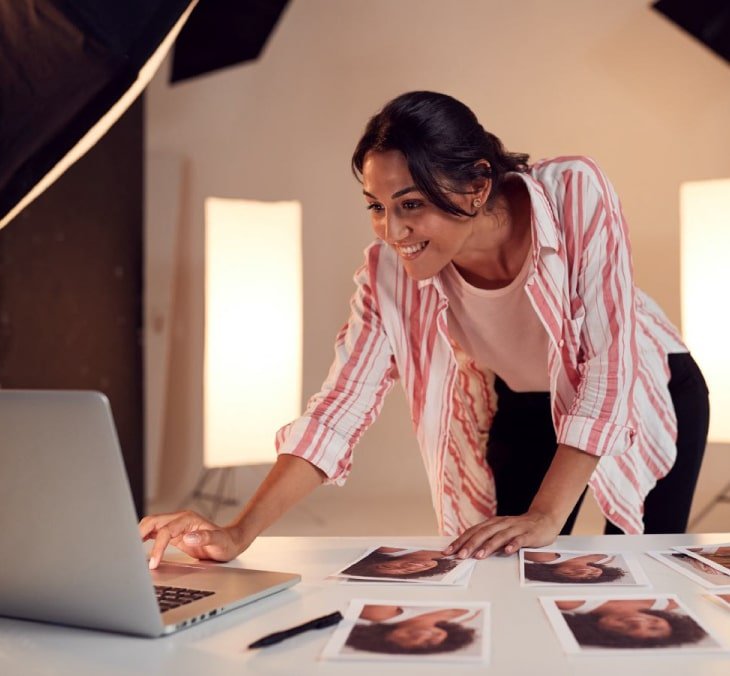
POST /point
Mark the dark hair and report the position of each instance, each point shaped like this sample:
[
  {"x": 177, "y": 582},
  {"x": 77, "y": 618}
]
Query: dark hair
[
  {"x": 364, "y": 567},
  {"x": 374, "y": 638},
  {"x": 682, "y": 555},
  {"x": 587, "y": 631},
  {"x": 546, "y": 572},
  {"x": 442, "y": 141},
  {"x": 717, "y": 557},
  {"x": 690, "y": 559}
]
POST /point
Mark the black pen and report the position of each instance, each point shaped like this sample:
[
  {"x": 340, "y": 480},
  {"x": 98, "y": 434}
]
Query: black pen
[{"x": 317, "y": 623}]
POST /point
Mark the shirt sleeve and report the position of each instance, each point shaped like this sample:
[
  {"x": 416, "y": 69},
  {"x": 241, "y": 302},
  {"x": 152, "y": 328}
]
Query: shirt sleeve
[
  {"x": 352, "y": 395},
  {"x": 603, "y": 322}
]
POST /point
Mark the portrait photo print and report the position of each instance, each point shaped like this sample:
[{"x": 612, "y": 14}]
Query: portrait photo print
[
  {"x": 378, "y": 630},
  {"x": 693, "y": 568},
  {"x": 407, "y": 564},
  {"x": 722, "y": 599},
  {"x": 614, "y": 624},
  {"x": 716, "y": 556},
  {"x": 558, "y": 567}
]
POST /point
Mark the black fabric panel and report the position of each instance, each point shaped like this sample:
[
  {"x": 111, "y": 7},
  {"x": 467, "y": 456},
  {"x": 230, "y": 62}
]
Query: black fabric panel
[
  {"x": 62, "y": 66},
  {"x": 223, "y": 33},
  {"x": 706, "y": 20},
  {"x": 71, "y": 286},
  {"x": 130, "y": 30},
  {"x": 49, "y": 70}
]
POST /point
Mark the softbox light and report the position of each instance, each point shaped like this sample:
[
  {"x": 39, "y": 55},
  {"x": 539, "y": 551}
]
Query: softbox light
[{"x": 68, "y": 70}]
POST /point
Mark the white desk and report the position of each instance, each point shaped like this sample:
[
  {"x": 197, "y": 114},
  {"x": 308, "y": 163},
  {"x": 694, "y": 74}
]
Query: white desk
[{"x": 522, "y": 640}]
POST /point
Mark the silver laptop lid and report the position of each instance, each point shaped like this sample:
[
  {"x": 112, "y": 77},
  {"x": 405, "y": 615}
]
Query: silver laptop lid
[{"x": 71, "y": 550}]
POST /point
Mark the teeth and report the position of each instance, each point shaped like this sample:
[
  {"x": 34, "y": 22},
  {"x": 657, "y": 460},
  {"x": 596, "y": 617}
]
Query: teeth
[{"x": 413, "y": 248}]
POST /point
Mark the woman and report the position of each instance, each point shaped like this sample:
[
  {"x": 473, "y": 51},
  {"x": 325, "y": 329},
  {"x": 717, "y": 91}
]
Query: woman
[
  {"x": 563, "y": 568},
  {"x": 629, "y": 623},
  {"x": 502, "y": 296},
  {"x": 385, "y": 629}
]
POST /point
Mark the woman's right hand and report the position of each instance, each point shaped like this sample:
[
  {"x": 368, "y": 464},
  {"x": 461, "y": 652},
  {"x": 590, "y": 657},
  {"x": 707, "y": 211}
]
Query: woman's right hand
[
  {"x": 192, "y": 534},
  {"x": 288, "y": 481}
]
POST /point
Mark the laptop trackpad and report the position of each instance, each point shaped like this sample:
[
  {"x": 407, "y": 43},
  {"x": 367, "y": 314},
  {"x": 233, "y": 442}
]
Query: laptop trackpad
[{"x": 174, "y": 573}]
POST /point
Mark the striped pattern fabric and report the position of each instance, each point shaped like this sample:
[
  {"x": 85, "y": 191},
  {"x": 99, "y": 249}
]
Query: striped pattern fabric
[{"x": 607, "y": 361}]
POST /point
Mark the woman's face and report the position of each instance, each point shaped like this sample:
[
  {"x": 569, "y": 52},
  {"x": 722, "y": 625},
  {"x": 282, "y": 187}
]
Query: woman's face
[
  {"x": 636, "y": 624},
  {"x": 403, "y": 566},
  {"x": 719, "y": 557},
  {"x": 701, "y": 566},
  {"x": 416, "y": 635},
  {"x": 426, "y": 238},
  {"x": 578, "y": 571}
]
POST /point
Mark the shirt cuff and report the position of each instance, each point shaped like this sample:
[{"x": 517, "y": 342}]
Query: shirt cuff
[
  {"x": 596, "y": 437},
  {"x": 319, "y": 445}
]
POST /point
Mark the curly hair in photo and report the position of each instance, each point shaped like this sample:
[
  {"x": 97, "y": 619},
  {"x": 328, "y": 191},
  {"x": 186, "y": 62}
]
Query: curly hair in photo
[
  {"x": 365, "y": 568},
  {"x": 374, "y": 638},
  {"x": 545, "y": 572},
  {"x": 587, "y": 631}
]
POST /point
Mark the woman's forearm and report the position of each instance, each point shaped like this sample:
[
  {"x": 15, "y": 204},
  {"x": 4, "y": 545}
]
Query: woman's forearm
[
  {"x": 564, "y": 483},
  {"x": 291, "y": 479}
]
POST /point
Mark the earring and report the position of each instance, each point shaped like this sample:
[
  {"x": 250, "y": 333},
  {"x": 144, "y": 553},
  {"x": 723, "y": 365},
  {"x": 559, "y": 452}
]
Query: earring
[{"x": 477, "y": 203}]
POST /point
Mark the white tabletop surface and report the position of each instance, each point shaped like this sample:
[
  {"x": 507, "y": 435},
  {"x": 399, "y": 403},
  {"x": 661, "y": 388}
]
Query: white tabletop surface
[{"x": 522, "y": 640}]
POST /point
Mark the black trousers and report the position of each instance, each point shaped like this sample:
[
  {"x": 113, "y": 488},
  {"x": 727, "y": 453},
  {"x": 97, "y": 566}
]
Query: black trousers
[{"x": 522, "y": 444}]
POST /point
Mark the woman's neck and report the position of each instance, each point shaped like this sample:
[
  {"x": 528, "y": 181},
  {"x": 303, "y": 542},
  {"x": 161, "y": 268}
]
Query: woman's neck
[{"x": 501, "y": 240}]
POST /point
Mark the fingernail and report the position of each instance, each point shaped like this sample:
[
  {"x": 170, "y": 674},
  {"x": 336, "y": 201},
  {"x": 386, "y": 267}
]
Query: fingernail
[
  {"x": 463, "y": 554},
  {"x": 448, "y": 550},
  {"x": 153, "y": 562},
  {"x": 192, "y": 539},
  {"x": 480, "y": 554}
]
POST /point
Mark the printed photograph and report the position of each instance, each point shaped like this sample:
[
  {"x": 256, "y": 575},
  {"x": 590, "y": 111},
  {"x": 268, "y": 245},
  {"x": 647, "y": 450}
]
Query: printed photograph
[
  {"x": 610, "y": 624},
  {"x": 695, "y": 569},
  {"x": 715, "y": 556},
  {"x": 722, "y": 599},
  {"x": 407, "y": 564},
  {"x": 388, "y": 630},
  {"x": 542, "y": 567},
  {"x": 461, "y": 579}
]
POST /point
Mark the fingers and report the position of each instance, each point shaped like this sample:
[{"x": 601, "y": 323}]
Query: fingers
[
  {"x": 501, "y": 533},
  {"x": 217, "y": 544},
  {"x": 471, "y": 541},
  {"x": 491, "y": 538},
  {"x": 149, "y": 524},
  {"x": 167, "y": 528},
  {"x": 162, "y": 539},
  {"x": 515, "y": 544},
  {"x": 203, "y": 538},
  {"x": 456, "y": 546}
]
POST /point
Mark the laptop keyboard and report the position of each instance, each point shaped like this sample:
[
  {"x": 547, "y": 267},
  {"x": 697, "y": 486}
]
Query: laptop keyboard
[{"x": 174, "y": 597}]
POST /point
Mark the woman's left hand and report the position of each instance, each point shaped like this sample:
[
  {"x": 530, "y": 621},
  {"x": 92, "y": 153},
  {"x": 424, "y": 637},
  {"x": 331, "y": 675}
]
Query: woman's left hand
[{"x": 533, "y": 529}]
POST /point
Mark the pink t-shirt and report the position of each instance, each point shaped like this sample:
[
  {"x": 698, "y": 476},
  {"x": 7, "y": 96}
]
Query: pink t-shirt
[
  {"x": 608, "y": 346},
  {"x": 499, "y": 329}
]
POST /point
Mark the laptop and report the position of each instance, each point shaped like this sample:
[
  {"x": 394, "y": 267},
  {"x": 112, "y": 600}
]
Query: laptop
[{"x": 71, "y": 550}]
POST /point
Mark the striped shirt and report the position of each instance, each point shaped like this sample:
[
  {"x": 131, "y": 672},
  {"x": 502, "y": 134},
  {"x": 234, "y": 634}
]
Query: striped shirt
[{"x": 607, "y": 361}]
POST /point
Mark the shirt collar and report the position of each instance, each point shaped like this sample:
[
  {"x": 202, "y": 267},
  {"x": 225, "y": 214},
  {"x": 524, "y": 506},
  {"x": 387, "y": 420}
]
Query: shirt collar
[{"x": 544, "y": 226}]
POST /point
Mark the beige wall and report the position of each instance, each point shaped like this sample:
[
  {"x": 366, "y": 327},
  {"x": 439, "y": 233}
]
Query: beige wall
[{"x": 613, "y": 80}]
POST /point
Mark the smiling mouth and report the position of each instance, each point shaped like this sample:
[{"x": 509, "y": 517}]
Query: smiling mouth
[{"x": 410, "y": 251}]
